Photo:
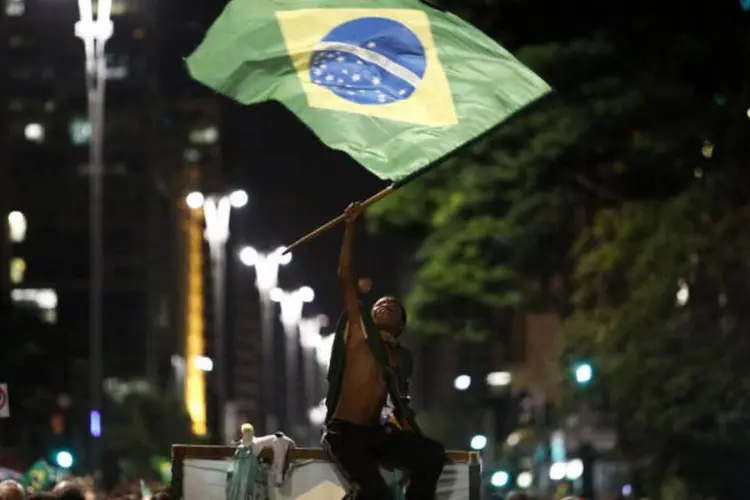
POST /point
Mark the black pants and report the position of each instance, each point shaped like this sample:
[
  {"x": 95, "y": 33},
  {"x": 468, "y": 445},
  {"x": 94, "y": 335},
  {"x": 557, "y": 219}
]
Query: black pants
[{"x": 359, "y": 450}]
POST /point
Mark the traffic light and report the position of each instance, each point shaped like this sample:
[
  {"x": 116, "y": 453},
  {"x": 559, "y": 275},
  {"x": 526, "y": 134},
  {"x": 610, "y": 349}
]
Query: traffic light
[
  {"x": 583, "y": 372},
  {"x": 64, "y": 459},
  {"x": 499, "y": 479}
]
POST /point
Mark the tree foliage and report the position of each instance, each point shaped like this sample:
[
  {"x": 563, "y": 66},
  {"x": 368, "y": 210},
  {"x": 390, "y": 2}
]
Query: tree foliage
[
  {"x": 627, "y": 186},
  {"x": 144, "y": 425}
]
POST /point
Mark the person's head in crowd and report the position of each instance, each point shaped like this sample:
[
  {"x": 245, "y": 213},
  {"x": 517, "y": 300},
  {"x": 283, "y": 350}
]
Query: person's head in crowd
[
  {"x": 11, "y": 490},
  {"x": 42, "y": 495},
  {"x": 70, "y": 491},
  {"x": 162, "y": 495}
]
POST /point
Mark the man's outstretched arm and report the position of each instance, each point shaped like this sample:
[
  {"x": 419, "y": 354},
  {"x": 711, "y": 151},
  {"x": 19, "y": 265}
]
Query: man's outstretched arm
[{"x": 346, "y": 280}]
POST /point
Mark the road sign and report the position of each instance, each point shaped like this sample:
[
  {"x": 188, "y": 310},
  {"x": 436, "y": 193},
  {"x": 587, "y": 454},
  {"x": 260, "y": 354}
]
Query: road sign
[{"x": 4, "y": 404}]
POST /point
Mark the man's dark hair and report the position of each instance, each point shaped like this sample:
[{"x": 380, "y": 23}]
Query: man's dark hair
[
  {"x": 162, "y": 495},
  {"x": 71, "y": 493},
  {"x": 43, "y": 495}
]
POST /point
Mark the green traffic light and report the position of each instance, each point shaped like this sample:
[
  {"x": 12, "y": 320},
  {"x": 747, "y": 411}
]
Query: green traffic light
[
  {"x": 64, "y": 459},
  {"x": 584, "y": 372}
]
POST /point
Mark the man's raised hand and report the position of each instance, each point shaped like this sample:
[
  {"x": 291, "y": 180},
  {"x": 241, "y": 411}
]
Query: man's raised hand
[{"x": 353, "y": 211}]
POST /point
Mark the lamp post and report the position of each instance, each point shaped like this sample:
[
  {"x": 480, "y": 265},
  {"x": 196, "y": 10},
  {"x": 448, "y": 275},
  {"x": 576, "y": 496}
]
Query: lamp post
[
  {"x": 292, "y": 302},
  {"x": 310, "y": 339},
  {"x": 266, "y": 278},
  {"x": 94, "y": 34},
  {"x": 217, "y": 210}
]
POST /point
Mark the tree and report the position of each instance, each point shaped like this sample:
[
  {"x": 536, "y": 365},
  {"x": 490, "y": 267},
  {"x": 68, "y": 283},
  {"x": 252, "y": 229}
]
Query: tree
[
  {"x": 660, "y": 308},
  {"x": 502, "y": 215},
  {"x": 630, "y": 181},
  {"x": 142, "y": 426}
]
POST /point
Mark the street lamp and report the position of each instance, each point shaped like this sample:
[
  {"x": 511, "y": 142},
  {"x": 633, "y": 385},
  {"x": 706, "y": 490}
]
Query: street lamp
[
  {"x": 310, "y": 339},
  {"x": 323, "y": 351},
  {"x": 291, "y": 302},
  {"x": 266, "y": 278},
  {"x": 217, "y": 209},
  {"x": 94, "y": 34}
]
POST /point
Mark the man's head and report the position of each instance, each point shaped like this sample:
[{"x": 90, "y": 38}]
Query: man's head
[
  {"x": 389, "y": 315},
  {"x": 11, "y": 490}
]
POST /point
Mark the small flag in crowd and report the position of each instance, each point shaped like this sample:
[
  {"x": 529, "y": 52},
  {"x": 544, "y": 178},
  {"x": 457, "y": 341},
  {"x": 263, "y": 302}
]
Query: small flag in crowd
[{"x": 40, "y": 476}]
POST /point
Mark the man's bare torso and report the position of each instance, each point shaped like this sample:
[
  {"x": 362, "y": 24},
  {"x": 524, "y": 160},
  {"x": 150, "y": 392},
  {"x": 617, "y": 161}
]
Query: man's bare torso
[{"x": 363, "y": 387}]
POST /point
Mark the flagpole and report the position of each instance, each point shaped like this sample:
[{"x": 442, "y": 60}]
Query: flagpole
[{"x": 332, "y": 223}]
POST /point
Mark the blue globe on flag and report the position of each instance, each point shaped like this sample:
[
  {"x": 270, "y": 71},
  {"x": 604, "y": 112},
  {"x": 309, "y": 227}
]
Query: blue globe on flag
[{"x": 370, "y": 61}]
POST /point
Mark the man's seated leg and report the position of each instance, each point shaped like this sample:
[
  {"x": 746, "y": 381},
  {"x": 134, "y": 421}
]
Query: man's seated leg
[
  {"x": 423, "y": 458},
  {"x": 350, "y": 448}
]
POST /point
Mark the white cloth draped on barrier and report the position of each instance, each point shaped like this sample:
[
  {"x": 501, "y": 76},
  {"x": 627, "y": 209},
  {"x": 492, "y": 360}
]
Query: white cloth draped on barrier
[{"x": 309, "y": 480}]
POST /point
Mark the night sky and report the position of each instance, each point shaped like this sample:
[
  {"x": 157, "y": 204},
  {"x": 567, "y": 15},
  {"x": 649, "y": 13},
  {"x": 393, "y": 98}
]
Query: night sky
[{"x": 296, "y": 184}]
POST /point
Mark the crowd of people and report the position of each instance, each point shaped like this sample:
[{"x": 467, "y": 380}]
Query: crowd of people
[{"x": 75, "y": 490}]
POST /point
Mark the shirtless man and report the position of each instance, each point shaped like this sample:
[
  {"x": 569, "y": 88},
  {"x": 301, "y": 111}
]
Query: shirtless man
[{"x": 364, "y": 372}]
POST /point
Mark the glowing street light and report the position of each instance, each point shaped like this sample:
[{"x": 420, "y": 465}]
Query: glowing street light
[
  {"x": 478, "y": 442},
  {"x": 324, "y": 350},
  {"x": 499, "y": 379},
  {"x": 462, "y": 382},
  {"x": 557, "y": 471},
  {"x": 217, "y": 210},
  {"x": 94, "y": 33},
  {"x": 310, "y": 339},
  {"x": 524, "y": 479},
  {"x": 64, "y": 459},
  {"x": 499, "y": 479},
  {"x": 266, "y": 267},
  {"x": 317, "y": 414},
  {"x": 292, "y": 303},
  {"x": 238, "y": 198},
  {"x": 574, "y": 469},
  {"x": 195, "y": 200},
  {"x": 584, "y": 372}
]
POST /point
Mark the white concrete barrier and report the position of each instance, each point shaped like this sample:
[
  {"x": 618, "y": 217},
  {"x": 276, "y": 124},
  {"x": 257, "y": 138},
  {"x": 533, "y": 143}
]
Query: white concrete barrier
[{"x": 200, "y": 473}]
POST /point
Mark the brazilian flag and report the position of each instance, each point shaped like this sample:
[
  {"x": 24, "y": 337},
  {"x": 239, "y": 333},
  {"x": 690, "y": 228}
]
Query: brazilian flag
[{"x": 40, "y": 476}]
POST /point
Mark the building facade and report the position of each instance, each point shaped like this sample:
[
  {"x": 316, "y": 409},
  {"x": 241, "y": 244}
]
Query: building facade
[{"x": 157, "y": 129}]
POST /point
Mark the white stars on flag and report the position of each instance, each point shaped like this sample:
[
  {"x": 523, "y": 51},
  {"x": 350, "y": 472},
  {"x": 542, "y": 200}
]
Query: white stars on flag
[{"x": 353, "y": 76}]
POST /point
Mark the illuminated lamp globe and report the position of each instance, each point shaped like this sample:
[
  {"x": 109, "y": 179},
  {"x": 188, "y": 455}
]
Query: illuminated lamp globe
[
  {"x": 249, "y": 256},
  {"x": 238, "y": 198},
  {"x": 277, "y": 295},
  {"x": 283, "y": 258},
  {"x": 306, "y": 294},
  {"x": 195, "y": 200}
]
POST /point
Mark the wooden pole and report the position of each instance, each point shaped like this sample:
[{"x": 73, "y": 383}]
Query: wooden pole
[{"x": 332, "y": 223}]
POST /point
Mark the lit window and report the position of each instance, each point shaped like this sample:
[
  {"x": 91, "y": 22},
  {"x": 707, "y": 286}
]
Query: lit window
[
  {"x": 17, "y": 225},
  {"x": 80, "y": 131},
  {"x": 34, "y": 132},
  {"x": 17, "y": 270},
  {"x": 208, "y": 135},
  {"x": 192, "y": 155},
  {"x": 14, "y": 8},
  {"x": 119, "y": 8},
  {"x": 49, "y": 106},
  {"x": 44, "y": 300}
]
